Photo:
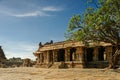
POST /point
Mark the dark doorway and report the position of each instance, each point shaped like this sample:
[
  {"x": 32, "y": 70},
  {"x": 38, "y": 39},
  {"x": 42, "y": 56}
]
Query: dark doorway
[
  {"x": 101, "y": 53},
  {"x": 61, "y": 55},
  {"x": 90, "y": 54},
  {"x": 72, "y": 50},
  {"x": 117, "y": 60}
]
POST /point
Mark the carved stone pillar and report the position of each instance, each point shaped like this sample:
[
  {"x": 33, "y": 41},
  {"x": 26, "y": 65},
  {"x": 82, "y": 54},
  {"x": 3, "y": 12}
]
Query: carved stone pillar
[
  {"x": 44, "y": 56},
  {"x": 48, "y": 57},
  {"x": 41, "y": 58},
  {"x": 108, "y": 51},
  {"x": 79, "y": 53},
  {"x": 67, "y": 54},
  {"x": 54, "y": 55},
  {"x": 73, "y": 56},
  {"x": 105, "y": 56},
  {"x": 38, "y": 59},
  {"x": 95, "y": 54},
  {"x": 85, "y": 54}
]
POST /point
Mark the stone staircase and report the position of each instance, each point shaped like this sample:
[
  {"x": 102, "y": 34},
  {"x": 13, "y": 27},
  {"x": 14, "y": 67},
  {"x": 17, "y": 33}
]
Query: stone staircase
[
  {"x": 58, "y": 65},
  {"x": 41, "y": 66}
]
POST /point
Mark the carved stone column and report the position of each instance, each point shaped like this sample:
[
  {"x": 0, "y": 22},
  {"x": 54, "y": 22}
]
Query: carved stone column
[
  {"x": 108, "y": 51},
  {"x": 79, "y": 53},
  {"x": 54, "y": 55},
  {"x": 95, "y": 54},
  {"x": 74, "y": 56},
  {"x": 48, "y": 57},
  {"x": 41, "y": 58},
  {"x": 67, "y": 54},
  {"x": 105, "y": 56},
  {"x": 45, "y": 57},
  {"x": 38, "y": 59}
]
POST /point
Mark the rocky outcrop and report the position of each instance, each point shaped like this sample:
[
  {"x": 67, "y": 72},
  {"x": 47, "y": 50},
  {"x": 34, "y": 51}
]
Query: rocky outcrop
[{"x": 2, "y": 58}]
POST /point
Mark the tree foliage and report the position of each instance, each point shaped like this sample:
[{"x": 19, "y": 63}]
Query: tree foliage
[
  {"x": 101, "y": 24},
  {"x": 97, "y": 24}
]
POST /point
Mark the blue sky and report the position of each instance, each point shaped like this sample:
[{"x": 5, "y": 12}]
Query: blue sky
[{"x": 25, "y": 23}]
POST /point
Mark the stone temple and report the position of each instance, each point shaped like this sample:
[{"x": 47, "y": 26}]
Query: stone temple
[{"x": 74, "y": 54}]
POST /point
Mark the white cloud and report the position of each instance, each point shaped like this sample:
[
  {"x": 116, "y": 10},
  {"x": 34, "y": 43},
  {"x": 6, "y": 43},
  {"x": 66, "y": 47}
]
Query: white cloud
[
  {"x": 51, "y": 8},
  {"x": 18, "y": 8},
  {"x": 31, "y": 14},
  {"x": 39, "y": 12}
]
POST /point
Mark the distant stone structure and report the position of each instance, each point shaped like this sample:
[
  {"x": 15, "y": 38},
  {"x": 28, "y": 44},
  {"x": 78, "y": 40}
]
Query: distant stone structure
[
  {"x": 74, "y": 54},
  {"x": 27, "y": 62}
]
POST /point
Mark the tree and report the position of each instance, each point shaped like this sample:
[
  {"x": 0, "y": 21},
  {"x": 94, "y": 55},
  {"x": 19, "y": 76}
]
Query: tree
[{"x": 98, "y": 24}]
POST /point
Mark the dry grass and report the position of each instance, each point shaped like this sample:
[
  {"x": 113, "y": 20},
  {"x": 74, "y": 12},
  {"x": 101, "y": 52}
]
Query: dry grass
[{"x": 58, "y": 74}]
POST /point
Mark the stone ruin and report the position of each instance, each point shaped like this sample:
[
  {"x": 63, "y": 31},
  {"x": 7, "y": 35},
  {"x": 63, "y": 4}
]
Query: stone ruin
[
  {"x": 74, "y": 54},
  {"x": 27, "y": 62}
]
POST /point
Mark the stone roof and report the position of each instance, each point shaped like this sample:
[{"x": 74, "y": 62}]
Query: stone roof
[
  {"x": 67, "y": 44},
  {"x": 61, "y": 45}
]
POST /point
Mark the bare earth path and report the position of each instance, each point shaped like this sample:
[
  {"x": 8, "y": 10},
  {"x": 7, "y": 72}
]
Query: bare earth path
[{"x": 58, "y": 74}]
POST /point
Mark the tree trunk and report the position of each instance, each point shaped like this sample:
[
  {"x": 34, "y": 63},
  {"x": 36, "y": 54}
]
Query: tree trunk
[
  {"x": 111, "y": 63},
  {"x": 113, "y": 60}
]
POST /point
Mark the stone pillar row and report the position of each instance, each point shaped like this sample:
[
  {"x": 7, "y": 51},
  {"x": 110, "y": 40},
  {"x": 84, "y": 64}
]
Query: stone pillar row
[
  {"x": 78, "y": 55},
  {"x": 45, "y": 56}
]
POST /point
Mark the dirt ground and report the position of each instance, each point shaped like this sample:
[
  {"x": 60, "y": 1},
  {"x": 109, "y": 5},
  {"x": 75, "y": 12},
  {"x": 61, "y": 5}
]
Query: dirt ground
[{"x": 58, "y": 74}]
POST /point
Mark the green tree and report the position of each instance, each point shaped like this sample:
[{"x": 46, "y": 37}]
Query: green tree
[{"x": 98, "y": 24}]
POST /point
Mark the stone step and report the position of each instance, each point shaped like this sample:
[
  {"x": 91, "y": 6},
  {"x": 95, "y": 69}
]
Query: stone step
[{"x": 58, "y": 65}]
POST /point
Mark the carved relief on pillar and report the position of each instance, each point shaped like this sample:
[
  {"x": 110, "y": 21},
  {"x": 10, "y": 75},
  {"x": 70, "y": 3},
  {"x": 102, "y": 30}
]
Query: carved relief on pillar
[
  {"x": 38, "y": 59},
  {"x": 51, "y": 56},
  {"x": 54, "y": 55},
  {"x": 108, "y": 51},
  {"x": 67, "y": 54},
  {"x": 95, "y": 54},
  {"x": 41, "y": 58},
  {"x": 79, "y": 53},
  {"x": 47, "y": 58},
  {"x": 44, "y": 57},
  {"x": 79, "y": 50}
]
